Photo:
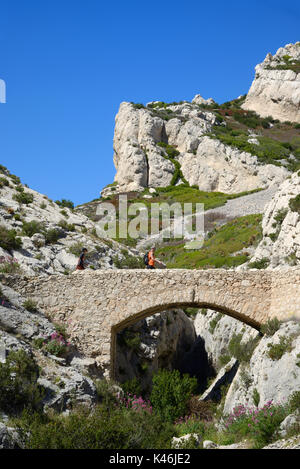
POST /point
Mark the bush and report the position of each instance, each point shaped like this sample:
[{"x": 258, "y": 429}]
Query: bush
[
  {"x": 30, "y": 305},
  {"x": 130, "y": 339},
  {"x": 9, "y": 265},
  {"x": 65, "y": 203},
  {"x": 270, "y": 327},
  {"x": 66, "y": 226},
  {"x": 31, "y": 227},
  {"x": 128, "y": 262},
  {"x": 171, "y": 393},
  {"x": 115, "y": 428},
  {"x": 294, "y": 204},
  {"x": 15, "y": 178},
  {"x": 191, "y": 312},
  {"x": 76, "y": 248},
  {"x": 23, "y": 198},
  {"x": 51, "y": 236},
  {"x": 294, "y": 401},
  {"x": 3, "y": 182},
  {"x": 256, "y": 397},
  {"x": 242, "y": 351},
  {"x": 276, "y": 351},
  {"x": 9, "y": 239},
  {"x": 132, "y": 386},
  {"x": 213, "y": 323},
  {"x": 18, "y": 383},
  {"x": 260, "y": 424},
  {"x": 259, "y": 264}
]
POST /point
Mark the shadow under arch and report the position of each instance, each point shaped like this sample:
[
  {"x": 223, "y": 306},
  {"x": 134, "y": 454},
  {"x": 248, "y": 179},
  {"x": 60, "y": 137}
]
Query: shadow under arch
[{"x": 135, "y": 317}]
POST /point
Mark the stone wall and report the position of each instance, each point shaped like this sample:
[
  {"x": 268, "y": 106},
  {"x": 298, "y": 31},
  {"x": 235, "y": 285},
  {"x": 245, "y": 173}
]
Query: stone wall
[{"x": 96, "y": 305}]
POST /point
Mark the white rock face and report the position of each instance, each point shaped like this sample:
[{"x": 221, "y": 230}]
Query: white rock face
[
  {"x": 199, "y": 100},
  {"x": 283, "y": 247},
  {"x": 38, "y": 257},
  {"x": 136, "y": 157},
  {"x": 219, "y": 167},
  {"x": 205, "y": 162},
  {"x": 216, "y": 340},
  {"x": 273, "y": 379},
  {"x": 275, "y": 92}
]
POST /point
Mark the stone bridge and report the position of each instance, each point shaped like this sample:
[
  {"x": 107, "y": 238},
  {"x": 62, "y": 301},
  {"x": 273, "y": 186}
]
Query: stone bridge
[{"x": 95, "y": 306}]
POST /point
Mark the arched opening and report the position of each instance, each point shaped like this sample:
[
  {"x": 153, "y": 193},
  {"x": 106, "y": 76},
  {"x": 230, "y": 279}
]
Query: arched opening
[{"x": 191, "y": 356}]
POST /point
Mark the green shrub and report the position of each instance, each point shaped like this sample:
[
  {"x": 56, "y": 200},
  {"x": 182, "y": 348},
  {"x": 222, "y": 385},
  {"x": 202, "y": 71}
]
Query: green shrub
[
  {"x": 276, "y": 351},
  {"x": 9, "y": 239},
  {"x": 76, "y": 248},
  {"x": 66, "y": 226},
  {"x": 242, "y": 351},
  {"x": 61, "y": 329},
  {"x": 4, "y": 182},
  {"x": 30, "y": 305},
  {"x": 224, "y": 359},
  {"x": 52, "y": 235},
  {"x": 18, "y": 383},
  {"x": 294, "y": 204},
  {"x": 171, "y": 393},
  {"x": 259, "y": 264},
  {"x": 65, "y": 203},
  {"x": 23, "y": 198},
  {"x": 128, "y": 262},
  {"x": 130, "y": 339},
  {"x": 9, "y": 265},
  {"x": 64, "y": 213},
  {"x": 132, "y": 386},
  {"x": 256, "y": 397},
  {"x": 109, "y": 428},
  {"x": 31, "y": 227},
  {"x": 15, "y": 178},
  {"x": 258, "y": 424},
  {"x": 294, "y": 401},
  {"x": 191, "y": 312},
  {"x": 213, "y": 323},
  {"x": 270, "y": 327}
]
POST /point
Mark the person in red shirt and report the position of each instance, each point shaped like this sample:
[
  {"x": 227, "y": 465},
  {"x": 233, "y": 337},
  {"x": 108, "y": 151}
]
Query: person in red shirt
[{"x": 151, "y": 259}]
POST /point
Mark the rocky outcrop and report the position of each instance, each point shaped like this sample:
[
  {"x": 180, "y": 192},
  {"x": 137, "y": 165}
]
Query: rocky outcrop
[
  {"x": 217, "y": 330},
  {"x": 266, "y": 378},
  {"x": 219, "y": 167},
  {"x": 63, "y": 382},
  {"x": 71, "y": 229},
  {"x": 212, "y": 166},
  {"x": 275, "y": 90},
  {"x": 280, "y": 244}
]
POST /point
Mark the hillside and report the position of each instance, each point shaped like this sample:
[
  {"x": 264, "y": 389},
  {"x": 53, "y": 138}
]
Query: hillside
[{"x": 41, "y": 237}]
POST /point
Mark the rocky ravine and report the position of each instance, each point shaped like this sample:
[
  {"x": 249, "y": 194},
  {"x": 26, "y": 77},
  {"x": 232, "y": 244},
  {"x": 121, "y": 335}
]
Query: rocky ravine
[
  {"x": 205, "y": 162},
  {"x": 275, "y": 90}
]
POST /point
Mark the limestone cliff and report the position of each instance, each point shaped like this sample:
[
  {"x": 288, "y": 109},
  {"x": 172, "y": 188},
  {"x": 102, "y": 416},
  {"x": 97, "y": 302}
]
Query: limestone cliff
[
  {"x": 275, "y": 90},
  {"x": 152, "y": 143},
  {"x": 280, "y": 244}
]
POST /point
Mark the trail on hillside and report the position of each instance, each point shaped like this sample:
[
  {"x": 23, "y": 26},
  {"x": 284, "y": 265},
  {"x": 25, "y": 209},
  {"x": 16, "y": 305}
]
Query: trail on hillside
[{"x": 239, "y": 207}]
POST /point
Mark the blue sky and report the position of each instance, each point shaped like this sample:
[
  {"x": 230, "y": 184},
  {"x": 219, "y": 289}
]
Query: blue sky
[{"x": 68, "y": 64}]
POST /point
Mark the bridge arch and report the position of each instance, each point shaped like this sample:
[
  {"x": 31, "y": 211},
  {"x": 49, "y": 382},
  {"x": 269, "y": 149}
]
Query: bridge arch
[
  {"x": 159, "y": 307},
  {"x": 95, "y": 305}
]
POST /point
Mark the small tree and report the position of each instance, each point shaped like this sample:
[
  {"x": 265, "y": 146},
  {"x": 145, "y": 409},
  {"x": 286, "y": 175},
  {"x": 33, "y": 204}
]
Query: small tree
[{"x": 171, "y": 393}]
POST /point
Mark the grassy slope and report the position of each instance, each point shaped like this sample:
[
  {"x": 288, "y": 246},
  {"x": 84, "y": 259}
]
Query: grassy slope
[{"x": 217, "y": 251}]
